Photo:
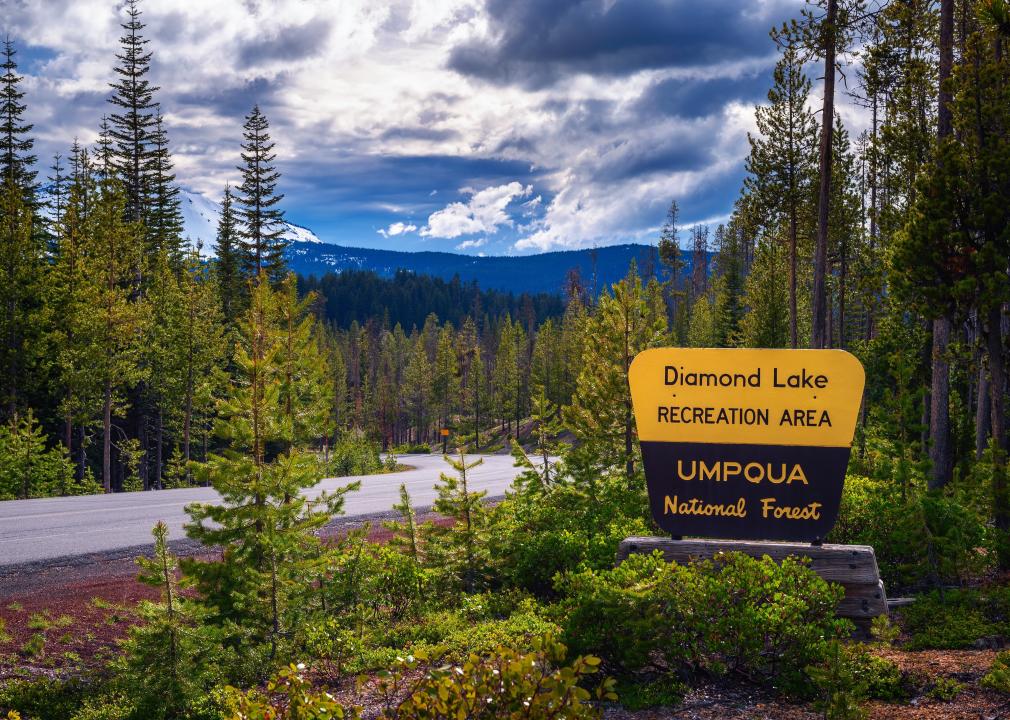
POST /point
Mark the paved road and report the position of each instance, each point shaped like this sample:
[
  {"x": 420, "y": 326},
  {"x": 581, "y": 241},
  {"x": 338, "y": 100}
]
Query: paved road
[{"x": 32, "y": 530}]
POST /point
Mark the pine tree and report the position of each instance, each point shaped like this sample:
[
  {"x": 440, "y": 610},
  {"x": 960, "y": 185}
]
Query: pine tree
[
  {"x": 506, "y": 374},
  {"x": 670, "y": 257},
  {"x": 113, "y": 319},
  {"x": 134, "y": 120},
  {"x": 172, "y": 659},
  {"x": 459, "y": 550},
  {"x": 728, "y": 308},
  {"x": 445, "y": 379},
  {"x": 27, "y": 467},
  {"x": 781, "y": 164},
  {"x": 163, "y": 222},
  {"x": 541, "y": 473},
  {"x": 417, "y": 390},
  {"x": 767, "y": 323},
  {"x": 628, "y": 320},
  {"x": 16, "y": 144},
  {"x": 163, "y": 354},
  {"x": 228, "y": 267},
  {"x": 262, "y": 221},
  {"x": 22, "y": 276},
  {"x": 265, "y": 525},
  {"x": 407, "y": 534},
  {"x": 305, "y": 389},
  {"x": 57, "y": 196}
]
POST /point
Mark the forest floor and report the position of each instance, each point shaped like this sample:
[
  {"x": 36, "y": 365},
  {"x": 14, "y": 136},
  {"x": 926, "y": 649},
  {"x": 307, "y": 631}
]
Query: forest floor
[{"x": 83, "y": 609}]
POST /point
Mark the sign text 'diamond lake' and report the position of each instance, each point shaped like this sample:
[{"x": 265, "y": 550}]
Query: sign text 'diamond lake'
[{"x": 746, "y": 444}]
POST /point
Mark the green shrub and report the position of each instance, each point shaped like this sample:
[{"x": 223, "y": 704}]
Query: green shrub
[
  {"x": 503, "y": 684},
  {"x": 952, "y": 622},
  {"x": 919, "y": 539},
  {"x": 45, "y": 698},
  {"x": 354, "y": 454},
  {"x": 840, "y": 689},
  {"x": 539, "y": 534},
  {"x": 35, "y": 646},
  {"x": 518, "y": 631},
  {"x": 736, "y": 613},
  {"x": 945, "y": 689},
  {"x": 664, "y": 691},
  {"x": 881, "y": 678},
  {"x": 998, "y": 677}
]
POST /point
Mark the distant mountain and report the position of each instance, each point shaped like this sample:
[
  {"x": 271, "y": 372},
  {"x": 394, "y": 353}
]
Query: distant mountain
[
  {"x": 546, "y": 272},
  {"x": 308, "y": 255},
  {"x": 199, "y": 221}
]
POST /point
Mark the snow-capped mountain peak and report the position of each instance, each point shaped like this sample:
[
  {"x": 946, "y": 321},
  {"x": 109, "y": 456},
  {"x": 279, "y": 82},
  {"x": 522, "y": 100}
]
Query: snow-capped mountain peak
[{"x": 200, "y": 216}]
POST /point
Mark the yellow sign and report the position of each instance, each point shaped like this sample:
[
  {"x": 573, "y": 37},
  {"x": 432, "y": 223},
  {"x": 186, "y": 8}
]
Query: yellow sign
[
  {"x": 757, "y": 397},
  {"x": 749, "y": 444}
]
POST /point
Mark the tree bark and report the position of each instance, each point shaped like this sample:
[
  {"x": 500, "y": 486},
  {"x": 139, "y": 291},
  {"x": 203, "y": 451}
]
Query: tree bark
[
  {"x": 819, "y": 337},
  {"x": 939, "y": 409},
  {"x": 107, "y": 438},
  {"x": 159, "y": 449},
  {"x": 940, "y": 450},
  {"x": 997, "y": 421},
  {"x": 982, "y": 412},
  {"x": 793, "y": 232}
]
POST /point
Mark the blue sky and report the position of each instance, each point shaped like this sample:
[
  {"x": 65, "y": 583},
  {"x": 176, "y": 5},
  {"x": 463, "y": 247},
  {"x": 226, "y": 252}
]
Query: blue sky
[{"x": 479, "y": 126}]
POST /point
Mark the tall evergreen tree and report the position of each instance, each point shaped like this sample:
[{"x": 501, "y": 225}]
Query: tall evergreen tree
[
  {"x": 229, "y": 261},
  {"x": 781, "y": 164},
  {"x": 262, "y": 221},
  {"x": 21, "y": 278},
  {"x": 163, "y": 223},
  {"x": 630, "y": 319},
  {"x": 16, "y": 143},
  {"x": 265, "y": 525},
  {"x": 133, "y": 122}
]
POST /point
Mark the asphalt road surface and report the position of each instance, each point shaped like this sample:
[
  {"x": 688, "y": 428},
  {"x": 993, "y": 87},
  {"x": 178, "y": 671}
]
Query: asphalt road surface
[{"x": 48, "y": 528}]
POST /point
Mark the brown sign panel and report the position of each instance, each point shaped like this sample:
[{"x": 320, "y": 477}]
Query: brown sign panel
[{"x": 746, "y": 444}]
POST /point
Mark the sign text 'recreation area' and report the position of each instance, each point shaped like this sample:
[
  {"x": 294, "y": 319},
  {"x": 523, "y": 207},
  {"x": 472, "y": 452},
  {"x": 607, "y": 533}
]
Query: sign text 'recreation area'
[{"x": 746, "y": 444}]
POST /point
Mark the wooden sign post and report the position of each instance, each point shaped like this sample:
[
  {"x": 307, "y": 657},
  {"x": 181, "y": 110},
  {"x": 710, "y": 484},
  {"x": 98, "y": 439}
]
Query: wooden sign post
[{"x": 752, "y": 445}]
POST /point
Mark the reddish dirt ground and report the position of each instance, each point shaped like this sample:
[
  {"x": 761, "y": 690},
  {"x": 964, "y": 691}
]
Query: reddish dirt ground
[{"x": 83, "y": 607}]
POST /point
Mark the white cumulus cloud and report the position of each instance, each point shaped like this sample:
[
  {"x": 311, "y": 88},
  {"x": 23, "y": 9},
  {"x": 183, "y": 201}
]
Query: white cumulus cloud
[
  {"x": 397, "y": 228},
  {"x": 472, "y": 244},
  {"x": 485, "y": 212}
]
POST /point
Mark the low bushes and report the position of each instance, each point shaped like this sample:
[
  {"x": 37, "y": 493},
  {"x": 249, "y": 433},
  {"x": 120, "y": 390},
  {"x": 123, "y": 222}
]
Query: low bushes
[
  {"x": 957, "y": 618},
  {"x": 756, "y": 617},
  {"x": 354, "y": 454},
  {"x": 920, "y": 539},
  {"x": 503, "y": 684}
]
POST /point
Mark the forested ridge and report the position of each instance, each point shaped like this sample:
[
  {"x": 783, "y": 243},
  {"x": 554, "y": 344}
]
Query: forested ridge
[{"x": 129, "y": 363}]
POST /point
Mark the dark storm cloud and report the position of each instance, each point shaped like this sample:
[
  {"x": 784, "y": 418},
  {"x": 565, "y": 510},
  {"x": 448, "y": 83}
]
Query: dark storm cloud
[
  {"x": 639, "y": 160},
  {"x": 700, "y": 98},
  {"x": 539, "y": 41},
  {"x": 295, "y": 42},
  {"x": 418, "y": 133},
  {"x": 233, "y": 101}
]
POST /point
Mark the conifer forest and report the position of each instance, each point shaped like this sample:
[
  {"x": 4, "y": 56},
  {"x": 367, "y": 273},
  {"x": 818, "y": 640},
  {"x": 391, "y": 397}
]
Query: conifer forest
[{"x": 136, "y": 361}]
